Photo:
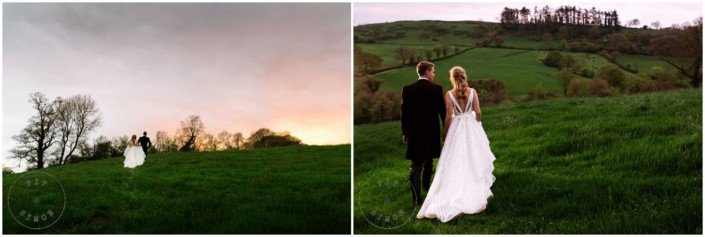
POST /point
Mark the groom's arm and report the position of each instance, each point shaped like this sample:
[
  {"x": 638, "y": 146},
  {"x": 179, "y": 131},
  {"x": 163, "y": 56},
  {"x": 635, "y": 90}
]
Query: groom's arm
[{"x": 404, "y": 119}]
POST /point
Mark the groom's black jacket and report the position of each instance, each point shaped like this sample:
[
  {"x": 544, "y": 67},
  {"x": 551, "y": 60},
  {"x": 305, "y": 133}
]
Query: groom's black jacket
[
  {"x": 144, "y": 141},
  {"x": 421, "y": 107}
]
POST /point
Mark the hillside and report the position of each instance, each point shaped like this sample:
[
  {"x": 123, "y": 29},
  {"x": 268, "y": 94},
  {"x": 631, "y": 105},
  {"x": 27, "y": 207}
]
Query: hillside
[
  {"x": 517, "y": 62},
  {"x": 275, "y": 190},
  {"x": 620, "y": 165}
]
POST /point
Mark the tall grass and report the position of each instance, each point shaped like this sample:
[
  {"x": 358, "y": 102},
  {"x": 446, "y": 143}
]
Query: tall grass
[
  {"x": 621, "y": 165},
  {"x": 274, "y": 190}
]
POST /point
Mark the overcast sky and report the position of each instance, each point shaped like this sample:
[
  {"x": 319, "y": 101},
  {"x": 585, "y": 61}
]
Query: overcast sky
[
  {"x": 240, "y": 66},
  {"x": 666, "y": 13}
]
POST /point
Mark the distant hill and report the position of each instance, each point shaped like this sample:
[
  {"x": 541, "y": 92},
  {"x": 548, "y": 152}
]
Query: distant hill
[{"x": 516, "y": 62}]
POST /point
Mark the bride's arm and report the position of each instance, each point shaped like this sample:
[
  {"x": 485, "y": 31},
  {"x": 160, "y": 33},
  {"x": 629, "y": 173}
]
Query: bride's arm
[
  {"x": 449, "y": 114},
  {"x": 476, "y": 106}
]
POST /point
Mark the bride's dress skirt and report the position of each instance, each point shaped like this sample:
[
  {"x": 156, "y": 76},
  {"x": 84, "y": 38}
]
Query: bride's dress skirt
[
  {"x": 464, "y": 173},
  {"x": 134, "y": 156}
]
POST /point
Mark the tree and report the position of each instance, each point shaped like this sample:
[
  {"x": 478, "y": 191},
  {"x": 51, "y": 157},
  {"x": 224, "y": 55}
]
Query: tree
[
  {"x": 564, "y": 78},
  {"x": 207, "y": 142},
  {"x": 401, "y": 53},
  {"x": 438, "y": 50},
  {"x": 595, "y": 32},
  {"x": 119, "y": 145},
  {"x": 238, "y": 140},
  {"x": 633, "y": 23},
  {"x": 366, "y": 61},
  {"x": 429, "y": 54},
  {"x": 683, "y": 49},
  {"x": 656, "y": 25},
  {"x": 618, "y": 42},
  {"x": 40, "y": 134},
  {"x": 77, "y": 117},
  {"x": 445, "y": 49},
  {"x": 164, "y": 143},
  {"x": 190, "y": 130}
]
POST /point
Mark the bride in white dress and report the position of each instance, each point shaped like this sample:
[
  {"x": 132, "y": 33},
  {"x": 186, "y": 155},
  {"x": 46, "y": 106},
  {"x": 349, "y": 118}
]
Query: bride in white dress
[
  {"x": 464, "y": 173},
  {"x": 134, "y": 156}
]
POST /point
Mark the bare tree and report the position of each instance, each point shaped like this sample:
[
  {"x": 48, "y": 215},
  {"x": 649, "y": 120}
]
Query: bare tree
[
  {"x": 164, "y": 143},
  {"x": 206, "y": 142},
  {"x": 683, "y": 50},
  {"x": 77, "y": 116},
  {"x": 238, "y": 140},
  {"x": 190, "y": 129},
  {"x": 39, "y": 135}
]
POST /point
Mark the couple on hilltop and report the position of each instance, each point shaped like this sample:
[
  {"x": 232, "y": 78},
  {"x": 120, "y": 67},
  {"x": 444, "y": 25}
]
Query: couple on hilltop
[
  {"x": 136, "y": 151},
  {"x": 464, "y": 173}
]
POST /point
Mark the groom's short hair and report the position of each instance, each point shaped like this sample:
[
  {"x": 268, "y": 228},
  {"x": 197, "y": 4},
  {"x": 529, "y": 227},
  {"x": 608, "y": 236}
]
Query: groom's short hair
[
  {"x": 423, "y": 67},
  {"x": 144, "y": 133}
]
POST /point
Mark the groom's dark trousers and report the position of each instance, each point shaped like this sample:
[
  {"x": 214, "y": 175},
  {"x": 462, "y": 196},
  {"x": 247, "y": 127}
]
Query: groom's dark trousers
[{"x": 422, "y": 115}]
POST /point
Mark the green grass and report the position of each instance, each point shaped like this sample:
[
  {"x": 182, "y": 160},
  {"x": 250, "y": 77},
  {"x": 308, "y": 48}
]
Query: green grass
[
  {"x": 275, "y": 190},
  {"x": 520, "y": 70},
  {"x": 617, "y": 165},
  {"x": 643, "y": 63}
]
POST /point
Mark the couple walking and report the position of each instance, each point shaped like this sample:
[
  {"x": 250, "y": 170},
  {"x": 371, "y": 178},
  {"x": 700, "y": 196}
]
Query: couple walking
[
  {"x": 136, "y": 151},
  {"x": 464, "y": 173}
]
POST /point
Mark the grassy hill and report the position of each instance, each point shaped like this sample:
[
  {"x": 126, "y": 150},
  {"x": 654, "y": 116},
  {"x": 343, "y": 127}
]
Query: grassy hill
[
  {"x": 574, "y": 166},
  {"x": 275, "y": 190},
  {"x": 521, "y": 70}
]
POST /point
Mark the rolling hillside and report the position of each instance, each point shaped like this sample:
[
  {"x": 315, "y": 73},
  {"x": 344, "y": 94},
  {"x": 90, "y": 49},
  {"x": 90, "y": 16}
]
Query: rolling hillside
[
  {"x": 275, "y": 190},
  {"x": 517, "y": 62}
]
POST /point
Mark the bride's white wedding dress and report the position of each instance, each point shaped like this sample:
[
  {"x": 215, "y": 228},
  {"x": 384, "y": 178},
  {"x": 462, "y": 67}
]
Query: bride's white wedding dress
[
  {"x": 464, "y": 173},
  {"x": 134, "y": 156}
]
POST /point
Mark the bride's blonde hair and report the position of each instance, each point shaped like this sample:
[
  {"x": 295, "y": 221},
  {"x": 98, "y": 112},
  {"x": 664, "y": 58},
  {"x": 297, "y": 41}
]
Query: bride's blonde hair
[{"x": 460, "y": 81}]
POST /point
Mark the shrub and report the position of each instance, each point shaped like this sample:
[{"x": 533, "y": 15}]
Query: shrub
[
  {"x": 564, "y": 77},
  {"x": 587, "y": 72},
  {"x": 599, "y": 87},
  {"x": 372, "y": 105},
  {"x": 490, "y": 91},
  {"x": 578, "y": 88},
  {"x": 613, "y": 75},
  {"x": 553, "y": 59}
]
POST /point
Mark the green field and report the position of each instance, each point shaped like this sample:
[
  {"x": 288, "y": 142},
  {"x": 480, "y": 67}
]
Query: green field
[
  {"x": 520, "y": 70},
  {"x": 618, "y": 165},
  {"x": 643, "y": 63},
  {"x": 275, "y": 190}
]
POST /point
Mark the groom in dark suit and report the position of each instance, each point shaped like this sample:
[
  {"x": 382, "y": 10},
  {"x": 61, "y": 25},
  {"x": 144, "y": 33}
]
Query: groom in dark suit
[
  {"x": 422, "y": 113},
  {"x": 144, "y": 142}
]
